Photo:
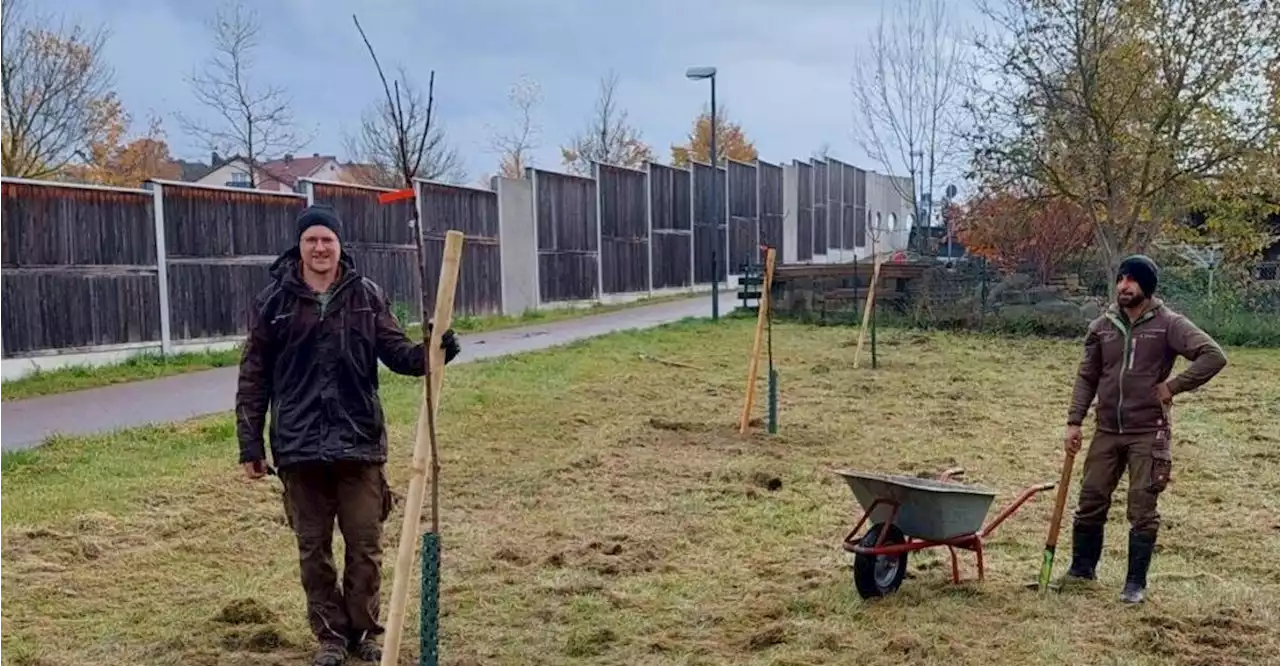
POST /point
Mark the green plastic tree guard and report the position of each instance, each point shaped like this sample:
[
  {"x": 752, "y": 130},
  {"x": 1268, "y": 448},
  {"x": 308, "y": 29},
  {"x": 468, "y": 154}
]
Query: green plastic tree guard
[{"x": 429, "y": 629}]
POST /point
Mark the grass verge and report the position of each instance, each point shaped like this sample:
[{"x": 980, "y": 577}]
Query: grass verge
[
  {"x": 599, "y": 507},
  {"x": 154, "y": 366}
]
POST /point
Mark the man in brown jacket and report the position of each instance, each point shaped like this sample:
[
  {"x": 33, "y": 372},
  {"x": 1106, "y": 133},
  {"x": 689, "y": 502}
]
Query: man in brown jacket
[{"x": 1129, "y": 353}]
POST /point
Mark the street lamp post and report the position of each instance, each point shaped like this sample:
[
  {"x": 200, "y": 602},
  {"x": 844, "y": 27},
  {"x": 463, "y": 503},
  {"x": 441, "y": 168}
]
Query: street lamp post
[{"x": 696, "y": 74}]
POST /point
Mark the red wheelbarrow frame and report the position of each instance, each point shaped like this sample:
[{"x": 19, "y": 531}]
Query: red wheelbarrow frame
[{"x": 971, "y": 542}]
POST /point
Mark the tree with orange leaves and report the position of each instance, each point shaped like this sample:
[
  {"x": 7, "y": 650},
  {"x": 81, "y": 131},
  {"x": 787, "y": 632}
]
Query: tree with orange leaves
[
  {"x": 57, "y": 93},
  {"x": 114, "y": 161},
  {"x": 1012, "y": 230},
  {"x": 731, "y": 142}
]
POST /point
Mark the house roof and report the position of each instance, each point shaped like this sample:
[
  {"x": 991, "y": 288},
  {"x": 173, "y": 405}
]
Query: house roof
[
  {"x": 192, "y": 171},
  {"x": 289, "y": 169}
]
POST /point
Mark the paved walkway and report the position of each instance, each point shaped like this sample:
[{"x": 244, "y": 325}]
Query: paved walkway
[{"x": 27, "y": 423}]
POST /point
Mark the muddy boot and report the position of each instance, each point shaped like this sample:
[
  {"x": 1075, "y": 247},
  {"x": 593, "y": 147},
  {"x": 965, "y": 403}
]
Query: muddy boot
[
  {"x": 365, "y": 649},
  {"x": 330, "y": 654},
  {"x": 1141, "y": 547},
  {"x": 1086, "y": 548}
]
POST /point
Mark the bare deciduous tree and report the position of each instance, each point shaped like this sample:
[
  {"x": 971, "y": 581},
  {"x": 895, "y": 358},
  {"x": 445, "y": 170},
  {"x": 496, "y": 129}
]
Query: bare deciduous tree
[
  {"x": 397, "y": 140},
  {"x": 254, "y": 121},
  {"x": 57, "y": 92},
  {"x": 906, "y": 92},
  {"x": 608, "y": 137},
  {"x": 516, "y": 144}
]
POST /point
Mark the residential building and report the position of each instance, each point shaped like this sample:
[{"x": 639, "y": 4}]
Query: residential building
[{"x": 275, "y": 175}]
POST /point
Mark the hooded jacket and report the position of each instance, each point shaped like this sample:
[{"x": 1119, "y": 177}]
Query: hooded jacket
[
  {"x": 312, "y": 361},
  {"x": 1124, "y": 363}
]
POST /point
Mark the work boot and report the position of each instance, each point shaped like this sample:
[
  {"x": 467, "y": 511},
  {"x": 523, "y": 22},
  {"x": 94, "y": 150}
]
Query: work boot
[
  {"x": 1141, "y": 547},
  {"x": 330, "y": 654},
  {"x": 367, "y": 650},
  {"x": 1086, "y": 548}
]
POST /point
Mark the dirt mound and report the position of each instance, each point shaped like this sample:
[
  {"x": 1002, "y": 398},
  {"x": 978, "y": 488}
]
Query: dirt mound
[
  {"x": 255, "y": 639},
  {"x": 245, "y": 611}
]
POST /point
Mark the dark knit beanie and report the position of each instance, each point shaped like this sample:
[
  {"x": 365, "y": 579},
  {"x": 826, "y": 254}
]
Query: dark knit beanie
[
  {"x": 1143, "y": 271},
  {"x": 322, "y": 215}
]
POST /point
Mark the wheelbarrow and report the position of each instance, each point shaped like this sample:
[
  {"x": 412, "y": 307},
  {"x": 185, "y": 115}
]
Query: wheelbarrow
[{"x": 909, "y": 514}]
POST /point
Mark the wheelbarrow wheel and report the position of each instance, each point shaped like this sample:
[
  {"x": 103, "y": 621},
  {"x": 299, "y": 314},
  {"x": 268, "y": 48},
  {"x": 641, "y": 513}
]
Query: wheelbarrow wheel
[{"x": 879, "y": 575}]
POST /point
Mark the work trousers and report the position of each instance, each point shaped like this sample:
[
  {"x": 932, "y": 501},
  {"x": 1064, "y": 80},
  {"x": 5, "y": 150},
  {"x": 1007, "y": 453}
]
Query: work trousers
[
  {"x": 357, "y": 496},
  {"x": 1146, "y": 456}
]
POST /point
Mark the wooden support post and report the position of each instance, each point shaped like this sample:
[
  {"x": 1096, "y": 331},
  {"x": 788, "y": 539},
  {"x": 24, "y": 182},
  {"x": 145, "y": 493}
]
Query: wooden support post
[
  {"x": 866, "y": 310},
  {"x": 424, "y": 449},
  {"x": 762, "y": 316}
]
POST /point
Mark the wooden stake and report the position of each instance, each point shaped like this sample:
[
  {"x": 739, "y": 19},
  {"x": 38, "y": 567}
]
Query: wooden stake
[
  {"x": 866, "y": 310},
  {"x": 762, "y": 316},
  {"x": 424, "y": 448}
]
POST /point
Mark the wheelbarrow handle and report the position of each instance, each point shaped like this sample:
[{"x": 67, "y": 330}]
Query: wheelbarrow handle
[{"x": 1008, "y": 511}]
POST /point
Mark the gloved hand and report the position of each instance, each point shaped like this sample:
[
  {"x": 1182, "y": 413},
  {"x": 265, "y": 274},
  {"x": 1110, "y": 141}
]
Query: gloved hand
[{"x": 448, "y": 342}]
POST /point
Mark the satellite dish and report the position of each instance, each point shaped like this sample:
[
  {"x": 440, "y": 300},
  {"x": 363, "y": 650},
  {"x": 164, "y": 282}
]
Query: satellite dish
[{"x": 951, "y": 191}]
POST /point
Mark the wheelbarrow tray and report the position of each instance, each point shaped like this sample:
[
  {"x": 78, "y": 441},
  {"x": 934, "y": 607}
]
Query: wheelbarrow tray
[{"x": 927, "y": 508}]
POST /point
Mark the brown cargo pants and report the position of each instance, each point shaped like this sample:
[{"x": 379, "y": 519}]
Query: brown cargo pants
[
  {"x": 1146, "y": 456},
  {"x": 357, "y": 496}
]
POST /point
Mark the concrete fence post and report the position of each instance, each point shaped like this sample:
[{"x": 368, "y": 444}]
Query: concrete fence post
[{"x": 162, "y": 266}]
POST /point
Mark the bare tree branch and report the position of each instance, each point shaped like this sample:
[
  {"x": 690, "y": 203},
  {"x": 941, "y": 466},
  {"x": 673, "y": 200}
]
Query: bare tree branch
[
  {"x": 608, "y": 138},
  {"x": 906, "y": 87},
  {"x": 516, "y": 144},
  {"x": 399, "y": 137},
  {"x": 57, "y": 98},
  {"x": 250, "y": 120}
]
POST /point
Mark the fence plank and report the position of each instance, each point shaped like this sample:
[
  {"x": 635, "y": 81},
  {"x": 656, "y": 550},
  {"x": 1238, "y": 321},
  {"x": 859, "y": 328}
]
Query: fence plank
[
  {"x": 624, "y": 232},
  {"x": 568, "y": 248},
  {"x": 474, "y": 212},
  {"x": 804, "y": 216},
  {"x": 744, "y": 218},
  {"x": 821, "y": 230},
  {"x": 220, "y": 243},
  {"x": 860, "y": 208},
  {"x": 710, "y": 226},
  {"x": 771, "y": 213},
  {"x": 672, "y": 250}
]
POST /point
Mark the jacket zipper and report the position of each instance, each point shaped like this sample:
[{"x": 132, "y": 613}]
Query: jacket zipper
[
  {"x": 1130, "y": 352},
  {"x": 1124, "y": 365}
]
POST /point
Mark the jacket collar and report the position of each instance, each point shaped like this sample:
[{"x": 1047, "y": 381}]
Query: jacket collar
[{"x": 1116, "y": 314}]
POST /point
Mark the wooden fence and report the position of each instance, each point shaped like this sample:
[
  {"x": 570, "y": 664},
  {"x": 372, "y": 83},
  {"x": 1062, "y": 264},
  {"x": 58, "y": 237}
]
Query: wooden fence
[
  {"x": 79, "y": 267},
  {"x": 87, "y": 267},
  {"x": 565, "y": 210},
  {"x": 671, "y": 215}
]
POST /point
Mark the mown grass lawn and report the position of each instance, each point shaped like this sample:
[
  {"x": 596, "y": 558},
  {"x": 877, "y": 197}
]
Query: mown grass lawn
[
  {"x": 599, "y": 507},
  {"x": 154, "y": 366}
]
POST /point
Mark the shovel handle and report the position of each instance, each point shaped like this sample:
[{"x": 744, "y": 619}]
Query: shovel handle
[{"x": 1051, "y": 544}]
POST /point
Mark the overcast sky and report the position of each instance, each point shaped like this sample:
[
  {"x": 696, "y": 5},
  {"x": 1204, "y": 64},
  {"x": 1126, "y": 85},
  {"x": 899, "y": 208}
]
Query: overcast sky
[{"x": 784, "y": 64}]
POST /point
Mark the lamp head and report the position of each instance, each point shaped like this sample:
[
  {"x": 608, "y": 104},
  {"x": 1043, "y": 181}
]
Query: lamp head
[{"x": 696, "y": 73}]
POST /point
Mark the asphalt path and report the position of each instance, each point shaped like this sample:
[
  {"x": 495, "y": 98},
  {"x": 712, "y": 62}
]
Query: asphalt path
[{"x": 28, "y": 423}]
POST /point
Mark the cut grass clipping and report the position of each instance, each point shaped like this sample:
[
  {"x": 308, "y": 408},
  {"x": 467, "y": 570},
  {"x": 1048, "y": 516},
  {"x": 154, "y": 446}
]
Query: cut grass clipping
[{"x": 599, "y": 507}]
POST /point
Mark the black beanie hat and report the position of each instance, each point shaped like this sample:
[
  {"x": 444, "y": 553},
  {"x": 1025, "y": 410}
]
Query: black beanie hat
[
  {"x": 322, "y": 215},
  {"x": 1143, "y": 271}
]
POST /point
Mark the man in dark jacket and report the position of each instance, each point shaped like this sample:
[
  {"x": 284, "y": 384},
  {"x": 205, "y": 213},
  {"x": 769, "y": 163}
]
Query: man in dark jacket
[
  {"x": 316, "y": 335},
  {"x": 1128, "y": 356}
]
